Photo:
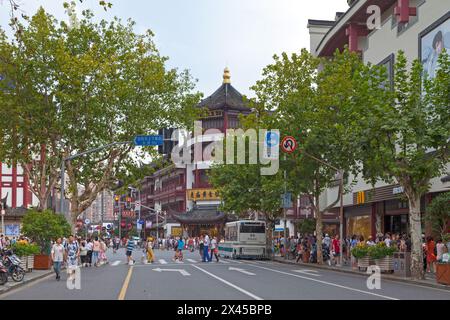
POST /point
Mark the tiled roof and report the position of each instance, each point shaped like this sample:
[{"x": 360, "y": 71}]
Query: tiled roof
[
  {"x": 201, "y": 214},
  {"x": 225, "y": 95}
]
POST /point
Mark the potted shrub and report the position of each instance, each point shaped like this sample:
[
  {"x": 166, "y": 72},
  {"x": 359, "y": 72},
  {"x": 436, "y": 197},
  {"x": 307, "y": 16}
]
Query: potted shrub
[
  {"x": 383, "y": 256},
  {"x": 21, "y": 251},
  {"x": 360, "y": 252},
  {"x": 33, "y": 249},
  {"x": 26, "y": 252},
  {"x": 42, "y": 228}
]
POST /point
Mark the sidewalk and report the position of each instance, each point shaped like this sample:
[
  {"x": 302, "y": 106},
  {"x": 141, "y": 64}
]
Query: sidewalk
[
  {"x": 29, "y": 277},
  {"x": 430, "y": 280}
]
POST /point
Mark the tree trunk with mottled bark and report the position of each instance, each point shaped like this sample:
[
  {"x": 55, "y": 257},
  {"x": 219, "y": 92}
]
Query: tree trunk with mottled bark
[{"x": 417, "y": 271}]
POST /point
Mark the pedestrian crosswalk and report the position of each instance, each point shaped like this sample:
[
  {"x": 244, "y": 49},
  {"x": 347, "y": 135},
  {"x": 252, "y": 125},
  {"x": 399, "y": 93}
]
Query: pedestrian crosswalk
[{"x": 164, "y": 261}]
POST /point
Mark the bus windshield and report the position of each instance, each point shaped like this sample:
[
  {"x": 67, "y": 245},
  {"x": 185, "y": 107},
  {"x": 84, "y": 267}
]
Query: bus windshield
[{"x": 245, "y": 228}]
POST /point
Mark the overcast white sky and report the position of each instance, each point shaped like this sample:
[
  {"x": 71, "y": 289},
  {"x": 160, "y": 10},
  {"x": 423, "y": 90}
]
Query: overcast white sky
[{"x": 204, "y": 36}]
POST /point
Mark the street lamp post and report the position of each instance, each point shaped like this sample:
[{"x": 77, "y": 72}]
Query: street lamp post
[{"x": 3, "y": 212}]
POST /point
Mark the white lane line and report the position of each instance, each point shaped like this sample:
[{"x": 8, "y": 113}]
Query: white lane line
[
  {"x": 308, "y": 272},
  {"x": 327, "y": 283},
  {"x": 242, "y": 271},
  {"x": 162, "y": 261},
  {"x": 115, "y": 263},
  {"x": 192, "y": 260},
  {"x": 229, "y": 283}
]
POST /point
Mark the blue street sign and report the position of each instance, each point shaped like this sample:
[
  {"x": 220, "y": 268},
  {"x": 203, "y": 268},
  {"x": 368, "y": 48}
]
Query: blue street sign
[
  {"x": 154, "y": 140},
  {"x": 272, "y": 139},
  {"x": 286, "y": 200},
  {"x": 141, "y": 221}
]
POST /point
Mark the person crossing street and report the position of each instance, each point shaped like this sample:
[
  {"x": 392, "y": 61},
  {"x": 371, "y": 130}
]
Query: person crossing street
[
  {"x": 129, "y": 253},
  {"x": 150, "y": 254},
  {"x": 214, "y": 249},
  {"x": 206, "y": 244}
]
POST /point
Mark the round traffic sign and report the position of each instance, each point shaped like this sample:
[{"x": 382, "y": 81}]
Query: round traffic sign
[
  {"x": 87, "y": 221},
  {"x": 289, "y": 144}
]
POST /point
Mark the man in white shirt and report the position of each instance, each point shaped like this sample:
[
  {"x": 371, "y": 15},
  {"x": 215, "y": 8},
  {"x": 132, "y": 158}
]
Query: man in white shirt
[
  {"x": 57, "y": 254},
  {"x": 206, "y": 257},
  {"x": 387, "y": 241}
]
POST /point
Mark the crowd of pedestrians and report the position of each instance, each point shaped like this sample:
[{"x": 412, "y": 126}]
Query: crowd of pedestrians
[
  {"x": 78, "y": 252},
  {"x": 303, "y": 248}
]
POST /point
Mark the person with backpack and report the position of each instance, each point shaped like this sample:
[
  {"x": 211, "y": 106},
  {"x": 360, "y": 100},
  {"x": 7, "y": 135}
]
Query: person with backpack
[{"x": 181, "y": 244}]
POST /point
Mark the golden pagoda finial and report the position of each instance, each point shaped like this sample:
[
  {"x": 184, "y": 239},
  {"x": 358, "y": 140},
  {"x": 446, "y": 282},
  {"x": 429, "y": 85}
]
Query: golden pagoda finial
[{"x": 226, "y": 75}]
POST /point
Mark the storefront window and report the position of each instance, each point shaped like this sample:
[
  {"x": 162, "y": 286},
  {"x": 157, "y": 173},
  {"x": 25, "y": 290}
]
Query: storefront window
[
  {"x": 359, "y": 226},
  {"x": 396, "y": 224}
]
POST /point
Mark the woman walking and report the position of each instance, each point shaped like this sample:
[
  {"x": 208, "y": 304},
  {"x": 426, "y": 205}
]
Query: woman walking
[
  {"x": 83, "y": 254},
  {"x": 95, "y": 251},
  {"x": 214, "y": 249},
  {"x": 431, "y": 257}
]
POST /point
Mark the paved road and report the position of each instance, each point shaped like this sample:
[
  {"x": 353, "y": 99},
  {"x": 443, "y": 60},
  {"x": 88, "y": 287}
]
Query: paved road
[{"x": 225, "y": 280}]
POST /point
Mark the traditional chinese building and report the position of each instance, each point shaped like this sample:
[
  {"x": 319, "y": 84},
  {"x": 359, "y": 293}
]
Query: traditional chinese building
[{"x": 185, "y": 195}]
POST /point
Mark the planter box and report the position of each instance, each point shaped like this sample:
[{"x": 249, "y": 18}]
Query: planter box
[
  {"x": 23, "y": 262},
  {"x": 386, "y": 263},
  {"x": 42, "y": 262},
  {"x": 363, "y": 262},
  {"x": 443, "y": 273},
  {"x": 30, "y": 263}
]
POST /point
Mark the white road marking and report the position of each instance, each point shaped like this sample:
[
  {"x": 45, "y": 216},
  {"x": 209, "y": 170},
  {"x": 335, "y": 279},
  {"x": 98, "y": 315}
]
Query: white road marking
[
  {"x": 229, "y": 283},
  {"x": 115, "y": 263},
  {"x": 327, "y": 283},
  {"x": 308, "y": 272},
  {"x": 192, "y": 260},
  {"x": 241, "y": 270},
  {"x": 182, "y": 271},
  {"x": 162, "y": 261}
]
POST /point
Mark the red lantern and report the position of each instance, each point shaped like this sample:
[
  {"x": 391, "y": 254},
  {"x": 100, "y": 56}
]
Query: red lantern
[{"x": 123, "y": 224}]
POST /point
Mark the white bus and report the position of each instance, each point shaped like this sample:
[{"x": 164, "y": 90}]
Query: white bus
[{"x": 244, "y": 239}]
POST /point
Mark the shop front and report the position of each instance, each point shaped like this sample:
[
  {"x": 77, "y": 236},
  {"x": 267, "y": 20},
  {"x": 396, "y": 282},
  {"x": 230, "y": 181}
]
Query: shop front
[
  {"x": 396, "y": 216},
  {"x": 358, "y": 220}
]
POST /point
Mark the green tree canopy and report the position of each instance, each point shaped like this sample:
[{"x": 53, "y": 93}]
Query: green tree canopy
[
  {"x": 43, "y": 227},
  {"x": 70, "y": 89}
]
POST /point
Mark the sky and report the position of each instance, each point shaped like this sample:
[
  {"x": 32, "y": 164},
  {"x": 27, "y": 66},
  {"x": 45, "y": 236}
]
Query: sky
[{"x": 205, "y": 36}]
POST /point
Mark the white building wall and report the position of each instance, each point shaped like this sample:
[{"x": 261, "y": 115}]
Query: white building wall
[{"x": 377, "y": 46}]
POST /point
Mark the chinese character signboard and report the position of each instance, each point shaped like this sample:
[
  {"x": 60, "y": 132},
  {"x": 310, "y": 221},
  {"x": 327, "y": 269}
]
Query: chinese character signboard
[
  {"x": 202, "y": 194},
  {"x": 128, "y": 214}
]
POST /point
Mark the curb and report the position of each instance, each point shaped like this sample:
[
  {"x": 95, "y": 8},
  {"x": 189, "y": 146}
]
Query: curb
[
  {"x": 25, "y": 282},
  {"x": 385, "y": 276}
]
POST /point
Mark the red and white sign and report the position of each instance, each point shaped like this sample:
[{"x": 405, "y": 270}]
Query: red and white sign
[{"x": 289, "y": 144}]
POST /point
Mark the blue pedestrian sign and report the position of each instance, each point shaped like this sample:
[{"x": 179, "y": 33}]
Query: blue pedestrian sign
[
  {"x": 154, "y": 140},
  {"x": 286, "y": 200}
]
